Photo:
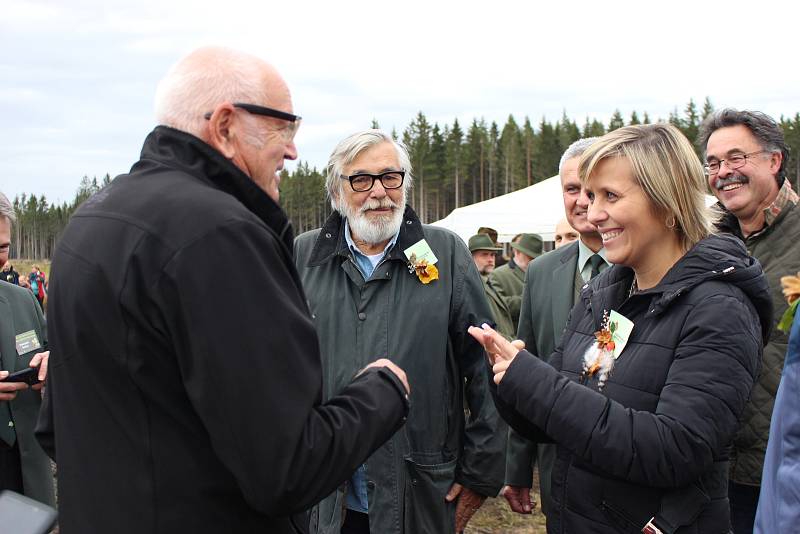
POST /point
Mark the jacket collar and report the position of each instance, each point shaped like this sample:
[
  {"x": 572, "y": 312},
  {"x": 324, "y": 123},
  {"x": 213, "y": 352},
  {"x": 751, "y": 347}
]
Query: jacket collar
[
  {"x": 331, "y": 242},
  {"x": 176, "y": 149},
  {"x": 715, "y": 257}
]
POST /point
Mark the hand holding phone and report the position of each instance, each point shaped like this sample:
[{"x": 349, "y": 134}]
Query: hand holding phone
[{"x": 29, "y": 375}]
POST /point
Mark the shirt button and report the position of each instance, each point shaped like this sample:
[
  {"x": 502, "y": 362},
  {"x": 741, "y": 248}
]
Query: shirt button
[
  {"x": 362, "y": 316},
  {"x": 370, "y": 485}
]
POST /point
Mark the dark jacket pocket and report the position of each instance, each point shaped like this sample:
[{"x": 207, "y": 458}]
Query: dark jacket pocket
[{"x": 425, "y": 509}]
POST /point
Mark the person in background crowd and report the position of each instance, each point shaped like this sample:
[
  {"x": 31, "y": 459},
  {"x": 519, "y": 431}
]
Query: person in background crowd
[
  {"x": 564, "y": 234},
  {"x": 38, "y": 285},
  {"x": 175, "y": 405},
  {"x": 552, "y": 285},
  {"x": 779, "y": 501},
  {"x": 643, "y": 394},
  {"x": 499, "y": 259},
  {"x": 9, "y": 274},
  {"x": 746, "y": 155},
  {"x": 23, "y": 282},
  {"x": 483, "y": 250},
  {"x": 24, "y": 467},
  {"x": 508, "y": 279},
  {"x": 380, "y": 282}
]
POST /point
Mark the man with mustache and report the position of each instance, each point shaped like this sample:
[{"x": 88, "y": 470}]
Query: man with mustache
[
  {"x": 746, "y": 156},
  {"x": 552, "y": 285},
  {"x": 379, "y": 282}
]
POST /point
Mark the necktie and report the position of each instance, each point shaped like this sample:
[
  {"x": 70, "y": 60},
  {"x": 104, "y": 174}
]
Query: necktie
[{"x": 596, "y": 262}]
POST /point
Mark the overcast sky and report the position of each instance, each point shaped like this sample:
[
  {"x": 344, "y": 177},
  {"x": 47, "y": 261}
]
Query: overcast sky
[{"x": 77, "y": 77}]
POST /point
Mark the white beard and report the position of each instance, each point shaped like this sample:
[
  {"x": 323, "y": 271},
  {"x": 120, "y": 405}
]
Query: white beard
[{"x": 374, "y": 230}]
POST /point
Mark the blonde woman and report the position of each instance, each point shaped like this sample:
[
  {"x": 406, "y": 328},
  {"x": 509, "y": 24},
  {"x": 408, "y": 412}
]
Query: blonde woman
[{"x": 644, "y": 392}]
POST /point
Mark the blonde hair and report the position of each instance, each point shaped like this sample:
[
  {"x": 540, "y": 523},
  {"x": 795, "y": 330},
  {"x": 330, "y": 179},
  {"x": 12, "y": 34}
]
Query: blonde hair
[{"x": 667, "y": 169}]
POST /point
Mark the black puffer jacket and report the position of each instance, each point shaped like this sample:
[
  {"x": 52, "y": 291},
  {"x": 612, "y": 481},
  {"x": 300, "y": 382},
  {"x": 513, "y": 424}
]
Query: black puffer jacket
[{"x": 665, "y": 418}]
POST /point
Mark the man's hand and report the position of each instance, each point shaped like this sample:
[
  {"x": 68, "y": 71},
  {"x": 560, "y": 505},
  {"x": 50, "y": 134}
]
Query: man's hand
[
  {"x": 40, "y": 360},
  {"x": 383, "y": 362},
  {"x": 8, "y": 390},
  {"x": 467, "y": 504},
  {"x": 501, "y": 352},
  {"x": 519, "y": 499}
]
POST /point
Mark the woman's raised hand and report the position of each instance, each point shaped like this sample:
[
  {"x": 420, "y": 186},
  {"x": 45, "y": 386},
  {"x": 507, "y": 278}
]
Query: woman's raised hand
[{"x": 501, "y": 352}]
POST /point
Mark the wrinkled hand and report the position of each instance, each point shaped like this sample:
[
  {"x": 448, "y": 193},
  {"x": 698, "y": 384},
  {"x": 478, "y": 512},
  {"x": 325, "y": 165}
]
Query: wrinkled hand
[
  {"x": 501, "y": 351},
  {"x": 467, "y": 504},
  {"x": 383, "y": 362},
  {"x": 519, "y": 499},
  {"x": 40, "y": 360},
  {"x": 9, "y": 390}
]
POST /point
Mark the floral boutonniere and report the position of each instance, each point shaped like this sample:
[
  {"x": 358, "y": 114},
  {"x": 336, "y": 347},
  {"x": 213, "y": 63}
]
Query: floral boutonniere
[
  {"x": 422, "y": 262},
  {"x": 599, "y": 357},
  {"x": 791, "y": 290},
  {"x": 426, "y": 272}
]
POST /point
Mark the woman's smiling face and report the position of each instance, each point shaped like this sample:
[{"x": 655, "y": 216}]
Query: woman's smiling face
[{"x": 633, "y": 234}]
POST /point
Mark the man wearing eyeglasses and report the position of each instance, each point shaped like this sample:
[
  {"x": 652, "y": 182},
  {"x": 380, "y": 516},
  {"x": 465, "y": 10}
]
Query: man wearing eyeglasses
[
  {"x": 746, "y": 158},
  {"x": 175, "y": 405},
  {"x": 380, "y": 283}
]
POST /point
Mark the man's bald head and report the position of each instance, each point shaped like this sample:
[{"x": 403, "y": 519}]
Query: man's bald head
[
  {"x": 565, "y": 234},
  {"x": 209, "y": 76}
]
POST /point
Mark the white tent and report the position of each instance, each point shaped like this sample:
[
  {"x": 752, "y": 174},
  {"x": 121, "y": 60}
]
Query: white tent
[{"x": 535, "y": 209}]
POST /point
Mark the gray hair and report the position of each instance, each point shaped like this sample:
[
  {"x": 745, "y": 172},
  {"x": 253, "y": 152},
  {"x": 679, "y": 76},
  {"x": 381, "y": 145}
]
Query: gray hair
[
  {"x": 575, "y": 150},
  {"x": 349, "y": 148},
  {"x": 6, "y": 209},
  {"x": 766, "y": 131},
  {"x": 204, "y": 79}
]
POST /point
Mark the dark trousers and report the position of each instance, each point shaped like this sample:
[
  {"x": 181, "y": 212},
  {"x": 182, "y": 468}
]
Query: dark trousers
[
  {"x": 10, "y": 468},
  {"x": 744, "y": 501},
  {"x": 355, "y": 523}
]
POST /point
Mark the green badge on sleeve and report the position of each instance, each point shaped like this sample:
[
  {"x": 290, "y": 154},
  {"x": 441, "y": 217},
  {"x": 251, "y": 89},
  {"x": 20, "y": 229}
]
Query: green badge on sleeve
[{"x": 27, "y": 341}]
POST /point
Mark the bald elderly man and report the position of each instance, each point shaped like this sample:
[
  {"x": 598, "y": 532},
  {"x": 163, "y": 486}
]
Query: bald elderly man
[{"x": 176, "y": 404}]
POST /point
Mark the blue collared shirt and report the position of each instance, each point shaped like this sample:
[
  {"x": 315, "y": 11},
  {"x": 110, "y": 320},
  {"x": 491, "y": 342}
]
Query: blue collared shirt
[
  {"x": 357, "y": 490},
  {"x": 366, "y": 264}
]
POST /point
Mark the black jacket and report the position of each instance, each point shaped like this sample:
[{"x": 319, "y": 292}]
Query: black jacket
[
  {"x": 183, "y": 406},
  {"x": 665, "y": 418}
]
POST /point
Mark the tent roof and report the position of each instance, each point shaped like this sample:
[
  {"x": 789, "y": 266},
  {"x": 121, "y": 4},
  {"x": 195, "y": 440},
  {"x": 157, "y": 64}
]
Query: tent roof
[{"x": 534, "y": 209}]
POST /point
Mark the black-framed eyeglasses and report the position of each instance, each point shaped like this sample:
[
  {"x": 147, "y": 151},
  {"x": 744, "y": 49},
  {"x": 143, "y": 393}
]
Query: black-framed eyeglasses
[
  {"x": 364, "y": 181},
  {"x": 294, "y": 120},
  {"x": 737, "y": 161}
]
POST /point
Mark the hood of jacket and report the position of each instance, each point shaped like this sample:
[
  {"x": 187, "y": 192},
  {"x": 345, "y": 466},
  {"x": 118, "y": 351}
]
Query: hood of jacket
[{"x": 717, "y": 257}]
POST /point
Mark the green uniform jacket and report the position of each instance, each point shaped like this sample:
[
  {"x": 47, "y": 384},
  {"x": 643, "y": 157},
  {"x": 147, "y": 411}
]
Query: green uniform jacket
[
  {"x": 500, "y": 311},
  {"x": 422, "y": 328},
  {"x": 776, "y": 248},
  {"x": 547, "y": 299},
  {"x": 508, "y": 279},
  {"x": 20, "y": 313}
]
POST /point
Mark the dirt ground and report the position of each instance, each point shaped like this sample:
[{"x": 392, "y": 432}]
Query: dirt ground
[{"x": 495, "y": 517}]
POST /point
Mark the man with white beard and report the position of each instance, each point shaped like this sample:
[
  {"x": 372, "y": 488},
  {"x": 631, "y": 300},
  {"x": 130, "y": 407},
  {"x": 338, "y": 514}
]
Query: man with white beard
[{"x": 379, "y": 282}]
